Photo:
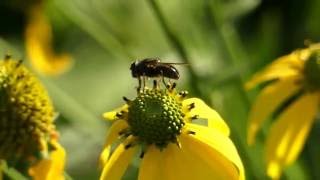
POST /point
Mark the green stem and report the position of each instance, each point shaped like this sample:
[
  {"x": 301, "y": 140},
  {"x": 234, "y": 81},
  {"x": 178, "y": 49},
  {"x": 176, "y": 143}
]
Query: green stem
[
  {"x": 9, "y": 172},
  {"x": 177, "y": 45},
  {"x": 231, "y": 43},
  {"x": 102, "y": 34},
  {"x": 312, "y": 150},
  {"x": 81, "y": 117},
  {"x": 233, "y": 46}
]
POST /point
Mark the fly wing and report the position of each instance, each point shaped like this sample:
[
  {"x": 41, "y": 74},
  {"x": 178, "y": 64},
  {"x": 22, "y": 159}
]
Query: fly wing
[
  {"x": 167, "y": 70},
  {"x": 150, "y": 62},
  {"x": 186, "y": 64}
]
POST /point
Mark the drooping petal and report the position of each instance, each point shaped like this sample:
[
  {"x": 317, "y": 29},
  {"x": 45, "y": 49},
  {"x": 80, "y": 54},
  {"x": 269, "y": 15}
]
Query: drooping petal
[
  {"x": 39, "y": 46},
  {"x": 289, "y": 132},
  {"x": 52, "y": 168},
  {"x": 115, "y": 168},
  {"x": 314, "y": 47},
  {"x": 152, "y": 165},
  {"x": 284, "y": 67},
  {"x": 194, "y": 160},
  {"x": 217, "y": 144},
  {"x": 113, "y": 135},
  {"x": 205, "y": 112},
  {"x": 179, "y": 164},
  {"x": 112, "y": 114},
  {"x": 269, "y": 99}
]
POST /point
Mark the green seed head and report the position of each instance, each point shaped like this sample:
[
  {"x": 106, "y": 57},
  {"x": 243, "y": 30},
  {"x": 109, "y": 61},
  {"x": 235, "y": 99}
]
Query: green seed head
[
  {"x": 26, "y": 112},
  {"x": 156, "y": 117},
  {"x": 312, "y": 71}
]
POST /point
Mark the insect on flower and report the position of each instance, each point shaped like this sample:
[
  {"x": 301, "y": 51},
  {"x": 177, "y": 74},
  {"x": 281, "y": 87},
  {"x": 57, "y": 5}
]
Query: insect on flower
[
  {"x": 153, "y": 68},
  {"x": 158, "y": 123}
]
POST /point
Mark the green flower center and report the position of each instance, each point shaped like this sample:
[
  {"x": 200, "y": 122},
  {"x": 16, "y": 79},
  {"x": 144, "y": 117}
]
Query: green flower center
[
  {"x": 312, "y": 71},
  {"x": 156, "y": 117},
  {"x": 26, "y": 112}
]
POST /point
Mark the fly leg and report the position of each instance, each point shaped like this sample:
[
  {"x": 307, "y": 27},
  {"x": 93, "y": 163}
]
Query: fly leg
[
  {"x": 156, "y": 83},
  {"x": 139, "y": 87},
  {"x": 144, "y": 82},
  {"x": 163, "y": 80}
]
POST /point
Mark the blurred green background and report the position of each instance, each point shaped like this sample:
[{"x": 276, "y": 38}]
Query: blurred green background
[{"x": 223, "y": 41}]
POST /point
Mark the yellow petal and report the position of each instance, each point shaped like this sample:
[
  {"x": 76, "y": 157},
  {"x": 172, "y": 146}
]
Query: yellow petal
[
  {"x": 1, "y": 175},
  {"x": 152, "y": 165},
  {"x": 52, "y": 168},
  {"x": 314, "y": 47},
  {"x": 112, "y": 114},
  {"x": 104, "y": 156},
  {"x": 286, "y": 66},
  {"x": 115, "y": 168},
  {"x": 179, "y": 164},
  {"x": 38, "y": 36},
  {"x": 2, "y": 166},
  {"x": 113, "y": 135},
  {"x": 189, "y": 163},
  {"x": 221, "y": 144},
  {"x": 205, "y": 112},
  {"x": 289, "y": 132},
  {"x": 268, "y": 101}
]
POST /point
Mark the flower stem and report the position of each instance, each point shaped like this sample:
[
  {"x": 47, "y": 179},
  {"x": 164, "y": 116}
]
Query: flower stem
[
  {"x": 312, "y": 151},
  {"x": 234, "y": 48},
  {"x": 177, "y": 45}
]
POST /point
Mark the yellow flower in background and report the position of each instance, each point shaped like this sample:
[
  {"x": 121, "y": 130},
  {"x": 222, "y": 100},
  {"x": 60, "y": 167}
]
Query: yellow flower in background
[
  {"x": 296, "y": 75},
  {"x": 27, "y": 134},
  {"x": 158, "y": 124},
  {"x": 38, "y": 37},
  {"x": 50, "y": 168}
]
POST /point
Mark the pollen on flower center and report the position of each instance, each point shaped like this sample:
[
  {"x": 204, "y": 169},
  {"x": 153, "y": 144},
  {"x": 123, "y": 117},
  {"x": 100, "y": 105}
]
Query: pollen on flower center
[
  {"x": 156, "y": 117},
  {"x": 26, "y": 112},
  {"x": 312, "y": 71}
]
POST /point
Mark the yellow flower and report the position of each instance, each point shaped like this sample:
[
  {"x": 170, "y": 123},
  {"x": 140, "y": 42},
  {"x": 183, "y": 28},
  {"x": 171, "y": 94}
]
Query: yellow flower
[
  {"x": 38, "y": 36},
  {"x": 159, "y": 124},
  {"x": 27, "y": 133},
  {"x": 292, "y": 76},
  {"x": 50, "y": 168}
]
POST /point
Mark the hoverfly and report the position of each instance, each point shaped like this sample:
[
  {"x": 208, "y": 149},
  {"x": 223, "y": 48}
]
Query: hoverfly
[{"x": 153, "y": 68}]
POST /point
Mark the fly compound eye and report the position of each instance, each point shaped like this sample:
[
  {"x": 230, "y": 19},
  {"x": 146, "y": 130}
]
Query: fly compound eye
[{"x": 132, "y": 66}]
